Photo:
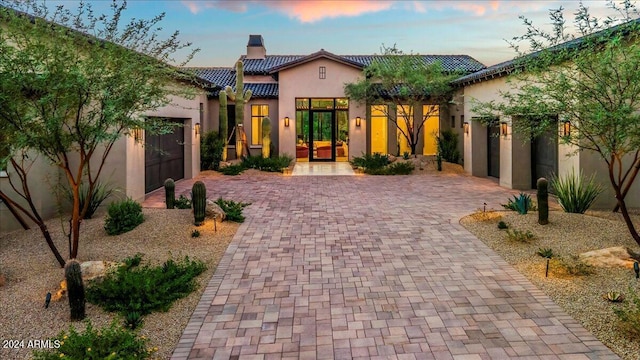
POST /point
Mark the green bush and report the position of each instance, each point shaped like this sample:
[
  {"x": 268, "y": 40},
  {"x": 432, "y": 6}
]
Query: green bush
[
  {"x": 448, "y": 146},
  {"x": 146, "y": 288},
  {"x": 274, "y": 164},
  {"x": 576, "y": 193},
  {"x": 123, "y": 216},
  {"x": 521, "y": 203},
  {"x": 112, "y": 342},
  {"x": 520, "y": 236},
  {"x": 100, "y": 193},
  {"x": 630, "y": 313},
  {"x": 232, "y": 209},
  {"x": 375, "y": 161},
  {"x": 236, "y": 169},
  {"x": 182, "y": 202},
  {"x": 211, "y": 147},
  {"x": 397, "y": 168}
]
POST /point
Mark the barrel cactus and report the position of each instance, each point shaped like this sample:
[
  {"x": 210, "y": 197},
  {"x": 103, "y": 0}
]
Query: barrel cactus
[
  {"x": 266, "y": 137},
  {"x": 75, "y": 289},
  {"x": 170, "y": 193},
  {"x": 543, "y": 201},
  {"x": 224, "y": 122},
  {"x": 199, "y": 202}
]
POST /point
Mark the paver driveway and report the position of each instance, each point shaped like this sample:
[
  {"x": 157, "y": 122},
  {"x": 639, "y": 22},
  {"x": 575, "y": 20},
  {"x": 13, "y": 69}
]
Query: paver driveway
[{"x": 371, "y": 267}]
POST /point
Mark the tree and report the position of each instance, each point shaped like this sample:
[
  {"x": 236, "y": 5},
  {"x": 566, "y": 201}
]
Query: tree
[
  {"x": 71, "y": 85},
  {"x": 403, "y": 81},
  {"x": 592, "y": 82}
]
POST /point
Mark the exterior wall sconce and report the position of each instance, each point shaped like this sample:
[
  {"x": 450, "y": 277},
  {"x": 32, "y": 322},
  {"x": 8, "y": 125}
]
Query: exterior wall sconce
[
  {"x": 197, "y": 128},
  {"x": 358, "y": 121},
  {"x": 466, "y": 127},
  {"x": 503, "y": 128},
  {"x": 137, "y": 134},
  {"x": 566, "y": 128},
  {"x": 286, "y": 121}
]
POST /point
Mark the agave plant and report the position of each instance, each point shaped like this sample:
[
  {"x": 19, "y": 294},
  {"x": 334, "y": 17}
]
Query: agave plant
[
  {"x": 613, "y": 296},
  {"x": 521, "y": 203}
]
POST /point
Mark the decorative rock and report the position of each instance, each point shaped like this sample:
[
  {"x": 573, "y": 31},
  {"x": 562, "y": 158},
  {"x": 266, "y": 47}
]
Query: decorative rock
[
  {"x": 391, "y": 158},
  {"x": 96, "y": 269},
  {"x": 224, "y": 164},
  {"x": 618, "y": 256},
  {"x": 213, "y": 210}
]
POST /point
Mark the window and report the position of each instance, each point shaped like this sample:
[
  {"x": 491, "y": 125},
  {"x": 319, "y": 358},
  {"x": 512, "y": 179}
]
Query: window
[
  {"x": 453, "y": 121},
  {"x": 461, "y": 121},
  {"x": 379, "y": 128},
  {"x": 322, "y": 72},
  {"x": 404, "y": 119},
  {"x": 258, "y": 112}
]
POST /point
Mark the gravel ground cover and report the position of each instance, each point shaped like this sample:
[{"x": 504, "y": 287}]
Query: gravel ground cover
[
  {"x": 569, "y": 234},
  {"x": 31, "y": 271}
]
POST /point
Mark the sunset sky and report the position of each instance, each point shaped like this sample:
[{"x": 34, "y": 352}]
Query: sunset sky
[{"x": 298, "y": 27}]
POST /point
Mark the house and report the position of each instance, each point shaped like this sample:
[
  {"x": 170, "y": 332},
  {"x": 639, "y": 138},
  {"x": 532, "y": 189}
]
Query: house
[
  {"x": 137, "y": 164},
  {"x": 311, "y": 117},
  {"x": 516, "y": 162}
]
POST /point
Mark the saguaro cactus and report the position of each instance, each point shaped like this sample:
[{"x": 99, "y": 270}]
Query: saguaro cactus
[
  {"x": 199, "y": 202},
  {"x": 75, "y": 289},
  {"x": 543, "y": 201},
  {"x": 224, "y": 122},
  {"x": 240, "y": 97},
  {"x": 169, "y": 193},
  {"x": 266, "y": 137}
]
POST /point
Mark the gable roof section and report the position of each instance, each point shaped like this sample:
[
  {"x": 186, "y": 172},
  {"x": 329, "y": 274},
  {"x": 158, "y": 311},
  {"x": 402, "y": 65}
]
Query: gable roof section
[
  {"x": 507, "y": 67},
  {"x": 322, "y": 54},
  {"x": 223, "y": 76}
]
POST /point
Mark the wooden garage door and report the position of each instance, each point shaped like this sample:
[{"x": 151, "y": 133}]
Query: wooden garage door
[
  {"x": 164, "y": 158},
  {"x": 544, "y": 156},
  {"x": 493, "y": 151}
]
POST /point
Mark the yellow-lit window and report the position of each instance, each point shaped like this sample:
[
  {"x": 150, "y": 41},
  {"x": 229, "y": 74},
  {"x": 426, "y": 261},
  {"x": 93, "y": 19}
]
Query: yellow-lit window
[
  {"x": 404, "y": 118},
  {"x": 379, "y": 128},
  {"x": 257, "y": 113},
  {"x": 431, "y": 128}
]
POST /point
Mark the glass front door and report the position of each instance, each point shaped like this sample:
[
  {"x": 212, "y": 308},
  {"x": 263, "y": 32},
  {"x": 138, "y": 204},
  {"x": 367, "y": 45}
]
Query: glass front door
[{"x": 322, "y": 136}]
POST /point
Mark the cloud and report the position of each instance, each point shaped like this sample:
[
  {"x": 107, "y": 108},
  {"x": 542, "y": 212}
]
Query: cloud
[{"x": 308, "y": 11}]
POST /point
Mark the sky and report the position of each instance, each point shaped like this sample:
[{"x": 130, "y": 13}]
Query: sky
[{"x": 347, "y": 27}]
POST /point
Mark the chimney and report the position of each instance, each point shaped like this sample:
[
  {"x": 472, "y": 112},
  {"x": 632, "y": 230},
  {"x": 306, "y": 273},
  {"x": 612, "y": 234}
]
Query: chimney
[{"x": 255, "y": 47}]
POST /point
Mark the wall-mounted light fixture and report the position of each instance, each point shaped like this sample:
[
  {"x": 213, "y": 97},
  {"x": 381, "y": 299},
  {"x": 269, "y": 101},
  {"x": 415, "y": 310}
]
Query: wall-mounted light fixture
[
  {"x": 197, "y": 128},
  {"x": 466, "y": 127},
  {"x": 286, "y": 121},
  {"x": 137, "y": 134},
  {"x": 358, "y": 121},
  {"x": 566, "y": 128},
  {"x": 503, "y": 129}
]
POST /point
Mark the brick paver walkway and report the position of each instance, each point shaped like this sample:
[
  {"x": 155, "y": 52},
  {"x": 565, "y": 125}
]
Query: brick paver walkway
[{"x": 371, "y": 267}]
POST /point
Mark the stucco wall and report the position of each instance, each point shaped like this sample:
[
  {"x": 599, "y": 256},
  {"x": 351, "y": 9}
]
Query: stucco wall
[{"x": 303, "y": 81}]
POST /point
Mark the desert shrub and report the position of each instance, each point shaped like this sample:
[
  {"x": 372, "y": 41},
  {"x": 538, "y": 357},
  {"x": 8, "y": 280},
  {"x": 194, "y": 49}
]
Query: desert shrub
[
  {"x": 576, "y": 192},
  {"x": 112, "y": 342},
  {"x": 275, "y": 164},
  {"x": 123, "y": 216},
  {"x": 521, "y": 203},
  {"x": 132, "y": 261},
  {"x": 133, "y": 320},
  {"x": 405, "y": 155},
  {"x": 520, "y": 236},
  {"x": 211, "y": 146},
  {"x": 182, "y": 202},
  {"x": 502, "y": 225},
  {"x": 100, "y": 193},
  {"x": 233, "y": 170},
  {"x": 572, "y": 265},
  {"x": 232, "y": 209},
  {"x": 629, "y": 314},
  {"x": 448, "y": 146},
  {"x": 195, "y": 233},
  {"x": 375, "y": 161},
  {"x": 397, "y": 168},
  {"x": 144, "y": 289}
]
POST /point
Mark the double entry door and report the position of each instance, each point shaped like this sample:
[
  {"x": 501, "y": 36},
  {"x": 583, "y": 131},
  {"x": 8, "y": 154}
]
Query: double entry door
[{"x": 322, "y": 135}]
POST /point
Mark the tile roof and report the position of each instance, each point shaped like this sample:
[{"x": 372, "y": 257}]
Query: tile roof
[
  {"x": 507, "y": 67},
  {"x": 225, "y": 76}
]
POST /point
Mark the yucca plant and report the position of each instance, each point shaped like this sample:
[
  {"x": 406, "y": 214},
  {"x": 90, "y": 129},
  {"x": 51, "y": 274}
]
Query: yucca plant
[
  {"x": 576, "y": 192},
  {"x": 100, "y": 193}
]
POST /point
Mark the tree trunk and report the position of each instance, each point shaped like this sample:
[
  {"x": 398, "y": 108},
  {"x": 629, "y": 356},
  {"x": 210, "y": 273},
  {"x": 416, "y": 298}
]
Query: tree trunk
[
  {"x": 629, "y": 183},
  {"x": 621, "y": 204},
  {"x": 17, "y": 216}
]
